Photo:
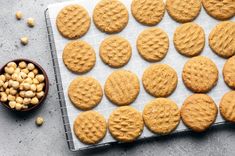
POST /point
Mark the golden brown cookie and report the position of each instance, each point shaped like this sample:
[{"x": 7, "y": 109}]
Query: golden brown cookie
[
  {"x": 153, "y": 44},
  {"x": 122, "y": 87},
  {"x": 189, "y": 39},
  {"x": 160, "y": 80},
  {"x": 110, "y": 16},
  {"x": 227, "y": 106},
  {"x": 222, "y": 39},
  {"x": 199, "y": 112},
  {"x": 79, "y": 56},
  {"x": 73, "y": 21},
  {"x": 90, "y": 127},
  {"x": 125, "y": 124},
  {"x": 229, "y": 72},
  {"x": 161, "y": 116},
  {"x": 220, "y": 9},
  {"x": 200, "y": 74},
  {"x": 115, "y": 51},
  {"x": 183, "y": 10},
  {"x": 85, "y": 92},
  {"x": 148, "y": 12}
]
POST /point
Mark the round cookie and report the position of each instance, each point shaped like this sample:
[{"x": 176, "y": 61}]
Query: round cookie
[
  {"x": 115, "y": 51},
  {"x": 122, "y": 87},
  {"x": 227, "y": 106},
  {"x": 183, "y": 10},
  {"x": 125, "y": 124},
  {"x": 90, "y": 127},
  {"x": 148, "y": 12},
  {"x": 189, "y": 39},
  {"x": 153, "y": 44},
  {"x": 229, "y": 72},
  {"x": 220, "y": 9},
  {"x": 85, "y": 92},
  {"x": 200, "y": 74},
  {"x": 79, "y": 56},
  {"x": 73, "y": 21},
  {"x": 222, "y": 39},
  {"x": 110, "y": 16},
  {"x": 160, "y": 80},
  {"x": 198, "y": 112},
  {"x": 161, "y": 116}
]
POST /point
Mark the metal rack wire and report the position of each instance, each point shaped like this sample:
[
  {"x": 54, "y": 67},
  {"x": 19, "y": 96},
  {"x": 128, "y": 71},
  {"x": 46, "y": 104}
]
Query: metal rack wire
[{"x": 61, "y": 99}]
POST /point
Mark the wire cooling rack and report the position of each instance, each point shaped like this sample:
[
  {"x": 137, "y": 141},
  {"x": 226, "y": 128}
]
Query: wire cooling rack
[{"x": 64, "y": 108}]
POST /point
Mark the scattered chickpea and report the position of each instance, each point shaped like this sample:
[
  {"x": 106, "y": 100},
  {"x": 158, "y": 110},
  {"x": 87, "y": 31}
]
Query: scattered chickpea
[
  {"x": 19, "y": 15},
  {"x": 39, "y": 121},
  {"x": 24, "y": 40},
  {"x": 31, "y": 22}
]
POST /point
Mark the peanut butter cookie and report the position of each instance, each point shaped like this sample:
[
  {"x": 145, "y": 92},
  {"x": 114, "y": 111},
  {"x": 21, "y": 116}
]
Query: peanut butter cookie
[
  {"x": 227, "y": 106},
  {"x": 229, "y": 72},
  {"x": 199, "y": 112}
]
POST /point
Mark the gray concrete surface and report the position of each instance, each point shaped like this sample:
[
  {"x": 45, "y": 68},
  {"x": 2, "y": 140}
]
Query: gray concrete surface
[{"x": 20, "y": 136}]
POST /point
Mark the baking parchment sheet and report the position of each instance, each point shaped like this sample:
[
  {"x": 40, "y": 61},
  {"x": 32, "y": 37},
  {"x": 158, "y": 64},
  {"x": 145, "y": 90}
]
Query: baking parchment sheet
[{"x": 136, "y": 64}]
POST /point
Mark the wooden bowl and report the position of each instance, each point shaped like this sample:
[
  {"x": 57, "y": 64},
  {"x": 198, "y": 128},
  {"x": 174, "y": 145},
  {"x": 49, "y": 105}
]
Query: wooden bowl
[{"x": 40, "y": 71}]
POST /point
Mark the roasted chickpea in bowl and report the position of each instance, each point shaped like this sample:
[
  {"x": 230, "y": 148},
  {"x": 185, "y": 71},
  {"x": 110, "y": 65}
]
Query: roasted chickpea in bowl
[{"x": 23, "y": 85}]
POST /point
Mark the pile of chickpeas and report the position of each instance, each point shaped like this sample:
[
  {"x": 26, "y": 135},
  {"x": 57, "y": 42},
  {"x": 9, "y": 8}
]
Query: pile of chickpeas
[{"x": 21, "y": 86}]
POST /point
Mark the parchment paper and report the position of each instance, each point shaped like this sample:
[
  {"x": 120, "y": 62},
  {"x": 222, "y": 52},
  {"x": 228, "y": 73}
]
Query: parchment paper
[{"x": 136, "y": 63}]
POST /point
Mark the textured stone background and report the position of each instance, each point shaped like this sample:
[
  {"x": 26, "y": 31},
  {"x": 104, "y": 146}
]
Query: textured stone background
[{"x": 20, "y": 136}]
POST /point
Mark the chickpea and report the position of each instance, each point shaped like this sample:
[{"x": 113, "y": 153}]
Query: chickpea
[
  {"x": 14, "y": 76},
  {"x": 17, "y": 70},
  {"x": 21, "y": 87},
  {"x": 35, "y": 71},
  {"x": 30, "y": 66},
  {"x": 40, "y": 77},
  {"x": 40, "y": 94},
  {"x": 30, "y": 22},
  {"x": 35, "y": 81},
  {"x": 19, "y": 15},
  {"x": 23, "y": 75},
  {"x": 26, "y": 101},
  {"x": 7, "y": 91},
  {"x": 10, "y": 82},
  {"x": 3, "y": 97},
  {"x": 28, "y": 80},
  {"x": 39, "y": 121},
  {"x": 15, "y": 84},
  {"x": 11, "y": 97},
  {"x": 5, "y": 85},
  {"x": 31, "y": 75},
  {"x": 1, "y": 83},
  {"x": 1, "y": 89},
  {"x": 22, "y": 93},
  {"x": 29, "y": 94},
  {"x": 20, "y": 79},
  {"x": 9, "y": 70},
  {"x": 25, "y": 107},
  {"x": 34, "y": 101},
  {"x": 26, "y": 86},
  {"x": 26, "y": 71},
  {"x": 12, "y": 104},
  {"x": 22, "y": 64},
  {"x": 7, "y": 76},
  {"x": 18, "y": 106},
  {"x": 40, "y": 87},
  {"x": 13, "y": 91},
  {"x": 19, "y": 100},
  {"x": 33, "y": 87},
  {"x": 24, "y": 40},
  {"x": 3, "y": 78}
]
